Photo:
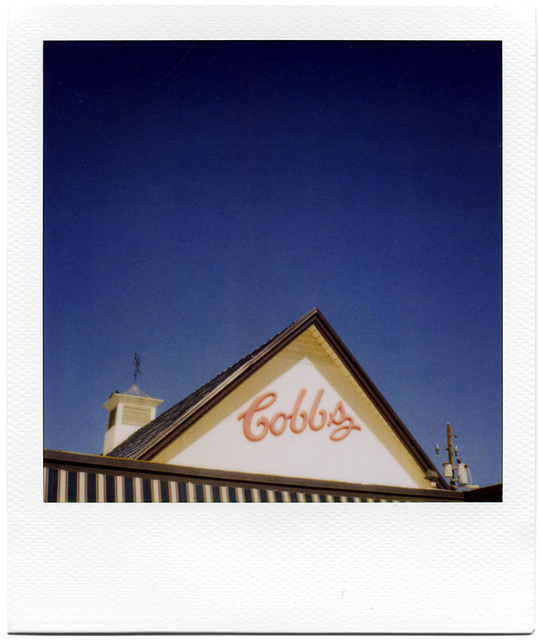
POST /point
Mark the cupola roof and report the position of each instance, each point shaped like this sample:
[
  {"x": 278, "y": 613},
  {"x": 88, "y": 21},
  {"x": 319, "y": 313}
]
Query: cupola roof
[{"x": 134, "y": 390}]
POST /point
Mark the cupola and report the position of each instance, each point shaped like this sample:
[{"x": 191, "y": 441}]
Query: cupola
[{"x": 128, "y": 412}]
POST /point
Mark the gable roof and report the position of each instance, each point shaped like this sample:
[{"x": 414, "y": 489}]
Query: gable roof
[{"x": 145, "y": 443}]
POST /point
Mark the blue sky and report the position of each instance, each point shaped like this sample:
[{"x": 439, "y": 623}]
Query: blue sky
[{"x": 201, "y": 196}]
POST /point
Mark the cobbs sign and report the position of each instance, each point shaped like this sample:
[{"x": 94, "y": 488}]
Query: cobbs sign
[{"x": 257, "y": 425}]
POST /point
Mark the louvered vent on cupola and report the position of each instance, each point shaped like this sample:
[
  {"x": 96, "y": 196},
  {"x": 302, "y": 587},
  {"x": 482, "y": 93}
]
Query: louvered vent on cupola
[
  {"x": 136, "y": 416},
  {"x": 128, "y": 412}
]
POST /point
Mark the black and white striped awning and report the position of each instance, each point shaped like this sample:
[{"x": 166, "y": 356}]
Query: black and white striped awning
[
  {"x": 61, "y": 485},
  {"x": 73, "y": 477}
]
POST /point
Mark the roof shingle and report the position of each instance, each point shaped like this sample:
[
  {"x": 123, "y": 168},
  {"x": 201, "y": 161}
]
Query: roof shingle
[{"x": 138, "y": 441}]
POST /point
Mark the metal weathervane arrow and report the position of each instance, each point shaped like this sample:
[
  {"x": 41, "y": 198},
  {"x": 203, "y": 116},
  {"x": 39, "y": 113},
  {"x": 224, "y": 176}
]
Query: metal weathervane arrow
[{"x": 137, "y": 364}]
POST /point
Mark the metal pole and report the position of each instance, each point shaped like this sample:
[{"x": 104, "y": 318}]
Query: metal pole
[{"x": 450, "y": 449}]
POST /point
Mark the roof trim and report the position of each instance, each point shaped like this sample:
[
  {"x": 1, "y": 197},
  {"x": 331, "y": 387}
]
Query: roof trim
[{"x": 263, "y": 355}]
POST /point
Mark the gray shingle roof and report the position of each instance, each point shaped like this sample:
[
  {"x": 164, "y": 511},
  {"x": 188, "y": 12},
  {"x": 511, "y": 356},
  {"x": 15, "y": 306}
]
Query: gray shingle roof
[{"x": 137, "y": 442}]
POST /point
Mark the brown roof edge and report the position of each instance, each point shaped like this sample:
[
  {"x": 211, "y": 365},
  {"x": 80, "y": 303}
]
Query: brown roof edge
[
  {"x": 315, "y": 317},
  {"x": 231, "y": 383},
  {"x": 143, "y": 468},
  {"x": 492, "y": 493},
  {"x": 379, "y": 400}
]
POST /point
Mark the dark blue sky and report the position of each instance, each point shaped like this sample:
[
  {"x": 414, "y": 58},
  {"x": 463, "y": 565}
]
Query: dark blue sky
[{"x": 201, "y": 196}]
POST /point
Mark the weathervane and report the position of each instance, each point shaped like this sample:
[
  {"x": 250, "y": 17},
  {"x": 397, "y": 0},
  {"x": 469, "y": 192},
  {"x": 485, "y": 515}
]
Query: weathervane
[{"x": 137, "y": 364}]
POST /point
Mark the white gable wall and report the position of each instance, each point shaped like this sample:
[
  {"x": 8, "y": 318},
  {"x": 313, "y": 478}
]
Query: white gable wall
[{"x": 371, "y": 455}]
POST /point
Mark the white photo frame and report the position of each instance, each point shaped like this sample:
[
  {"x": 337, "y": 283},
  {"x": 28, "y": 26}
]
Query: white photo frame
[{"x": 394, "y": 568}]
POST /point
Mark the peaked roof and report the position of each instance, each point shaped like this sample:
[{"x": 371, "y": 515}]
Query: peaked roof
[
  {"x": 145, "y": 443},
  {"x": 134, "y": 390}
]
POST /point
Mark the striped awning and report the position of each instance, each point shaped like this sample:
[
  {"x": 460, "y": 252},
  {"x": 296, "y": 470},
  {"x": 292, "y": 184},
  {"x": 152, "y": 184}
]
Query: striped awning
[
  {"x": 76, "y": 477},
  {"x": 62, "y": 485}
]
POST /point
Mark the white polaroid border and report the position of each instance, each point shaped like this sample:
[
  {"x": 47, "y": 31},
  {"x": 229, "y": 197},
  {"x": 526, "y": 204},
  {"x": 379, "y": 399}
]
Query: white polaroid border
[{"x": 382, "y": 568}]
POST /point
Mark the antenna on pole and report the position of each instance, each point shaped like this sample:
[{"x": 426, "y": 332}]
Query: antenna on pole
[
  {"x": 137, "y": 367},
  {"x": 462, "y": 477},
  {"x": 450, "y": 450}
]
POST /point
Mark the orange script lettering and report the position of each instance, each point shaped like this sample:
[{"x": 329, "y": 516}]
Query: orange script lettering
[{"x": 255, "y": 427}]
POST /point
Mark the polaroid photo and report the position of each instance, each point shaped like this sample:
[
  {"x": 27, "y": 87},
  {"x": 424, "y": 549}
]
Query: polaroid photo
[{"x": 271, "y": 319}]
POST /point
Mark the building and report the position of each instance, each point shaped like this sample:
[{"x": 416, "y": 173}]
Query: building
[{"x": 297, "y": 420}]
